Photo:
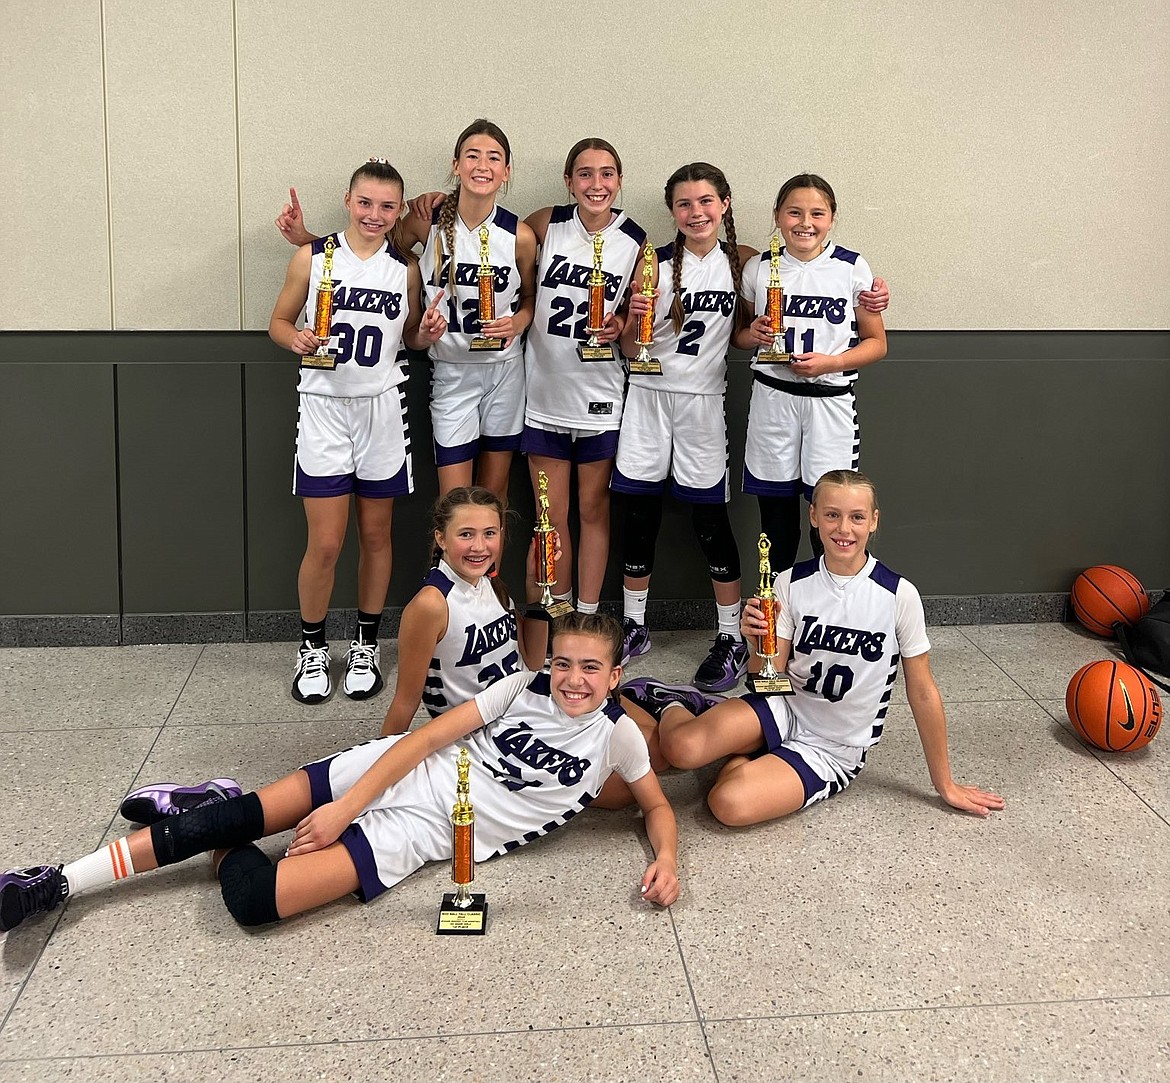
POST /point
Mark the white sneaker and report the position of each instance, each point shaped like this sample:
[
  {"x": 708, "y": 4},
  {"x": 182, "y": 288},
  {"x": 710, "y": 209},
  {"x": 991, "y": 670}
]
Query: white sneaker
[
  {"x": 362, "y": 676},
  {"x": 311, "y": 683}
]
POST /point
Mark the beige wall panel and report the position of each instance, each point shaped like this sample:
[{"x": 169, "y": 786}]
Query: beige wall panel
[
  {"x": 170, "y": 71},
  {"x": 1002, "y": 167},
  {"x": 53, "y": 168}
]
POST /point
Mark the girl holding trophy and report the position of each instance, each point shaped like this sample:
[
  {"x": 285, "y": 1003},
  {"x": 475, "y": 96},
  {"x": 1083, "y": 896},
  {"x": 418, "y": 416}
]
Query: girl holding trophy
[
  {"x": 844, "y": 622},
  {"x": 817, "y": 324},
  {"x": 673, "y": 424},
  {"x": 351, "y": 433}
]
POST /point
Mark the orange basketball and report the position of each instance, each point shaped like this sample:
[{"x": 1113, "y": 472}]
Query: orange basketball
[
  {"x": 1113, "y": 706},
  {"x": 1106, "y": 594}
]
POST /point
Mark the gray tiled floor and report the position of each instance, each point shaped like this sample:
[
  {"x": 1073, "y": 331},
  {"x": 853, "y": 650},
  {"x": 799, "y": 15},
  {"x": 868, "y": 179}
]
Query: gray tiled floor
[{"x": 877, "y": 937}]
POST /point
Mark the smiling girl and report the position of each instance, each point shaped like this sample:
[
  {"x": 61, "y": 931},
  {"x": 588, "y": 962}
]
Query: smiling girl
[
  {"x": 351, "y": 432},
  {"x": 803, "y": 417},
  {"x": 365, "y": 819},
  {"x": 845, "y": 622}
]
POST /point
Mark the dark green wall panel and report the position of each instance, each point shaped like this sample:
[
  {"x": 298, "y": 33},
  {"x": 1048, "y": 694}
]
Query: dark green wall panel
[
  {"x": 59, "y": 525},
  {"x": 182, "y": 482}
]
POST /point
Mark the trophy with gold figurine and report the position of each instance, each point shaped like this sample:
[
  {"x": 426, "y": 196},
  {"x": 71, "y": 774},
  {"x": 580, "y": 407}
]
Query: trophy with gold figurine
[
  {"x": 546, "y": 555},
  {"x": 769, "y": 681},
  {"x": 462, "y": 910},
  {"x": 644, "y": 364},
  {"x": 321, "y": 358},
  {"x": 593, "y": 349},
  {"x": 775, "y": 354},
  {"x": 487, "y": 295}
]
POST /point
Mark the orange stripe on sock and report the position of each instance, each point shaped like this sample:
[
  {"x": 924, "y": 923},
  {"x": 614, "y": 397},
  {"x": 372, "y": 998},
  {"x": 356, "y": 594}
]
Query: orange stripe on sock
[{"x": 118, "y": 861}]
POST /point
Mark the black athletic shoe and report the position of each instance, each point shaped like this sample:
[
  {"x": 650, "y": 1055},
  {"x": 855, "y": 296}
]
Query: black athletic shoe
[{"x": 24, "y": 892}]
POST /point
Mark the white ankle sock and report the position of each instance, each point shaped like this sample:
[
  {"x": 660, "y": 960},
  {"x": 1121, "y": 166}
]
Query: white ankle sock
[
  {"x": 729, "y": 618},
  {"x": 587, "y": 607},
  {"x": 634, "y": 604},
  {"x": 103, "y": 866}
]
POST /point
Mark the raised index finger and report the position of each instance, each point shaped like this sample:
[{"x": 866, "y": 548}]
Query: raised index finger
[
  {"x": 435, "y": 303},
  {"x": 292, "y": 195}
]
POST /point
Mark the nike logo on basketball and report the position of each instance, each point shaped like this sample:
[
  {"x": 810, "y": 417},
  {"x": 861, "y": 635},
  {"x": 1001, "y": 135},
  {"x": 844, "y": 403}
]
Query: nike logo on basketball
[{"x": 1130, "y": 721}]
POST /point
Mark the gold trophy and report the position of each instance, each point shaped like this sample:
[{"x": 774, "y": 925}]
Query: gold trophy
[
  {"x": 644, "y": 364},
  {"x": 323, "y": 315},
  {"x": 775, "y": 354},
  {"x": 462, "y": 910},
  {"x": 594, "y": 350},
  {"x": 546, "y": 555},
  {"x": 487, "y": 294},
  {"x": 768, "y": 682}
]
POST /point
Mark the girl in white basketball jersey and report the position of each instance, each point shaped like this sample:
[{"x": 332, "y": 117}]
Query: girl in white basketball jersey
[
  {"x": 673, "y": 425},
  {"x": 461, "y": 633},
  {"x": 845, "y": 622},
  {"x": 477, "y": 395},
  {"x": 365, "y": 819},
  {"x": 351, "y": 435},
  {"x": 803, "y": 419}
]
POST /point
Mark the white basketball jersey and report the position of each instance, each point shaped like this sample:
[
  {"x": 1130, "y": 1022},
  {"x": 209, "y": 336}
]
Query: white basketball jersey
[
  {"x": 462, "y": 301},
  {"x": 562, "y": 389},
  {"x": 846, "y": 644},
  {"x": 819, "y": 299},
  {"x": 369, "y": 314},
  {"x": 693, "y": 360},
  {"x": 479, "y": 646},
  {"x": 533, "y": 768}
]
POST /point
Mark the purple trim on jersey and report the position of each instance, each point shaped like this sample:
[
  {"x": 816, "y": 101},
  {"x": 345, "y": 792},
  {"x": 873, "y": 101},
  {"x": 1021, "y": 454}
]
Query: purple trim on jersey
[
  {"x": 399, "y": 485},
  {"x": 755, "y": 486},
  {"x": 844, "y": 255},
  {"x": 320, "y": 792},
  {"x": 362, "y": 854},
  {"x": 883, "y": 577},
  {"x": 499, "y": 443},
  {"x": 540, "y": 685},
  {"x": 812, "y": 782},
  {"x": 506, "y": 221},
  {"x": 334, "y": 485},
  {"x": 712, "y": 494},
  {"x": 460, "y": 453},
  {"x": 393, "y": 253},
  {"x": 562, "y": 212},
  {"x": 561, "y": 445},
  {"x": 436, "y": 577},
  {"x": 666, "y": 253},
  {"x": 631, "y": 229},
  {"x": 435, "y": 212},
  {"x": 805, "y": 568},
  {"x": 619, "y": 483},
  {"x": 613, "y": 710},
  {"x": 531, "y": 836},
  {"x": 319, "y": 243}
]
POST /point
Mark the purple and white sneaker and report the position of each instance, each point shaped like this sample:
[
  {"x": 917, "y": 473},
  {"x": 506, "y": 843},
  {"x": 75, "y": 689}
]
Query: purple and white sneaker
[
  {"x": 24, "y": 892},
  {"x": 655, "y": 696},
  {"x": 151, "y": 804},
  {"x": 635, "y": 640},
  {"x": 725, "y": 664}
]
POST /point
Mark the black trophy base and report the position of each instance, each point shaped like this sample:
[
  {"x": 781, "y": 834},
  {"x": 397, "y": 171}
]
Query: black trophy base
[
  {"x": 779, "y": 685},
  {"x": 319, "y": 361},
  {"x": 594, "y": 353},
  {"x": 651, "y": 367},
  {"x": 558, "y": 609},
  {"x": 774, "y": 357},
  {"x": 462, "y": 921},
  {"x": 487, "y": 345}
]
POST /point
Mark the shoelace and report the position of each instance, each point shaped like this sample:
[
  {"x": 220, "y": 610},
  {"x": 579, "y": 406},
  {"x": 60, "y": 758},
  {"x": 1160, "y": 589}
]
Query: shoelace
[
  {"x": 314, "y": 662},
  {"x": 361, "y": 657},
  {"x": 41, "y": 897}
]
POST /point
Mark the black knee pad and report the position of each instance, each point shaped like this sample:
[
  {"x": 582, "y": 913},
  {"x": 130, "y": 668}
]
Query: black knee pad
[
  {"x": 247, "y": 881},
  {"x": 643, "y": 518},
  {"x": 781, "y": 518},
  {"x": 212, "y": 827},
  {"x": 713, "y": 529}
]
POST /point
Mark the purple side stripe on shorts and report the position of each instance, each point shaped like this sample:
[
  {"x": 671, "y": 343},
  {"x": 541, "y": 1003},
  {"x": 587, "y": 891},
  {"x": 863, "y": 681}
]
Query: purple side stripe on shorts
[
  {"x": 320, "y": 792},
  {"x": 399, "y": 485},
  {"x": 809, "y": 779},
  {"x": 499, "y": 443},
  {"x": 711, "y": 494},
  {"x": 762, "y": 487},
  {"x": 619, "y": 483},
  {"x": 308, "y": 485},
  {"x": 359, "y": 850},
  {"x": 460, "y": 453}
]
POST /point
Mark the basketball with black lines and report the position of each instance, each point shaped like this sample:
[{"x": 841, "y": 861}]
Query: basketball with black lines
[
  {"x": 1105, "y": 595},
  {"x": 1113, "y": 706}
]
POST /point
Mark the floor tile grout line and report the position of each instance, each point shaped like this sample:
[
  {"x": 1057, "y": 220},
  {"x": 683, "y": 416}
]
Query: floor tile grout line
[
  {"x": 979, "y": 647},
  {"x": 694, "y": 996},
  {"x": 109, "y": 826},
  {"x": 676, "y": 1023},
  {"x": 437, "y": 1036}
]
